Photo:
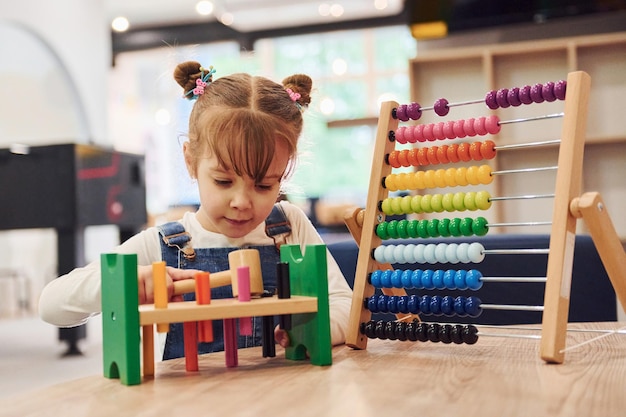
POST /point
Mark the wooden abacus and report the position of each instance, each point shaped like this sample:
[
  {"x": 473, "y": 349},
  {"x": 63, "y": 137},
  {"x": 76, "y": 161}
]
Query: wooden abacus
[
  {"x": 369, "y": 227},
  {"x": 302, "y": 298}
]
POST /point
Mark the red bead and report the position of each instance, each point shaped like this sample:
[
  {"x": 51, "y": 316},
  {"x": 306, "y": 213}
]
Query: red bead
[
  {"x": 488, "y": 149},
  {"x": 400, "y": 135},
  {"x": 463, "y": 152},
  {"x": 458, "y": 129},
  {"x": 468, "y": 126},
  {"x": 393, "y": 159},
  {"x": 408, "y": 134},
  {"x": 448, "y": 130},
  {"x": 418, "y": 133},
  {"x": 438, "y": 131},
  {"x": 479, "y": 126},
  {"x": 428, "y": 132}
]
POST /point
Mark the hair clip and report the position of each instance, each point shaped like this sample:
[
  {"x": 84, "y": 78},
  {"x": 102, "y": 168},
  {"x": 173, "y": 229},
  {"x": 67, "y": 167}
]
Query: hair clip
[
  {"x": 294, "y": 96},
  {"x": 201, "y": 83}
]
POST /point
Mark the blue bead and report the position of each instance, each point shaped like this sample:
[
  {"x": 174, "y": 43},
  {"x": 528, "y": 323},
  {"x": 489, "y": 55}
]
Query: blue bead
[
  {"x": 459, "y": 279},
  {"x": 427, "y": 279},
  {"x": 435, "y": 305},
  {"x": 459, "y": 306},
  {"x": 382, "y": 303},
  {"x": 425, "y": 304},
  {"x": 473, "y": 278},
  {"x": 472, "y": 306},
  {"x": 392, "y": 306},
  {"x": 395, "y": 279},
  {"x": 375, "y": 278},
  {"x": 385, "y": 278},
  {"x": 406, "y": 278},
  {"x": 438, "y": 279},
  {"x": 414, "y": 304},
  {"x": 447, "y": 305},
  {"x": 416, "y": 279},
  {"x": 448, "y": 279},
  {"x": 402, "y": 304},
  {"x": 372, "y": 304}
]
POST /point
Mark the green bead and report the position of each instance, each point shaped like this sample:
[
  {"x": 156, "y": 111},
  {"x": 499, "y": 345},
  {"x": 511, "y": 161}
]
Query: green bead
[
  {"x": 479, "y": 226},
  {"x": 422, "y": 229},
  {"x": 416, "y": 206},
  {"x": 392, "y": 230},
  {"x": 446, "y": 202},
  {"x": 381, "y": 231},
  {"x": 401, "y": 229},
  {"x": 437, "y": 203},
  {"x": 466, "y": 226},
  {"x": 411, "y": 229},
  {"x": 470, "y": 201},
  {"x": 386, "y": 206},
  {"x": 426, "y": 203},
  {"x": 444, "y": 227},
  {"x": 455, "y": 229},
  {"x": 433, "y": 227},
  {"x": 459, "y": 201},
  {"x": 405, "y": 204},
  {"x": 395, "y": 205}
]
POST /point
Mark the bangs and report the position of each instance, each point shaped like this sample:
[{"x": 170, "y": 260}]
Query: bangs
[{"x": 247, "y": 151}]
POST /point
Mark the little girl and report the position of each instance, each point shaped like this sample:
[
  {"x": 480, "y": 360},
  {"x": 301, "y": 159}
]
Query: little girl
[{"x": 243, "y": 136}]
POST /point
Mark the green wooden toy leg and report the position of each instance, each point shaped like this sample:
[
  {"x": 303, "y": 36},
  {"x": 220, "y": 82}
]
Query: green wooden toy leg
[
  {"x": 120, "y": 318},
  {"x": 308, "y": 276}
]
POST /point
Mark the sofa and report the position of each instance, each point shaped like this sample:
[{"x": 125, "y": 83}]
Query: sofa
[{"x": 592, "y": 297}]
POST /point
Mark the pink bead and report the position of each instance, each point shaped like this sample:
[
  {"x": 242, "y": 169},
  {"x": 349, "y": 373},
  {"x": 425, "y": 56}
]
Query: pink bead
[
  {"x": 408, "y": 134},
  {"x": 458, "y": 129},
  {"x": 441, "y": 107},
  {"x": 559, "y": 89},
  {"x": 490, "y": 100},
  {"x": 502, "y": 99},
  {"x": 468, "y": 126},
  {"x": 448, "y": 130},
  {"x": 400, "y": 135},
  {"x": 428, "y": 132},
  {"x": 513, "y": 97},
  {"x": 492, "y": 124},
  {"x": 479, "y": 126},
  {"x": 401, "y": 113},
  {"x": 414, "y": 111},
  {"x": 418, "y": 133},
  {"x": 548, "y": 91},
  {"x": 438, "y": 131}
]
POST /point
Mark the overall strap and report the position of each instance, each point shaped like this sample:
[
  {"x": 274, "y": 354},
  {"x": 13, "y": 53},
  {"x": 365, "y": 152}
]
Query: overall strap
[
  {"x": 277, "y": 225},
  {"x": 174, "y": 236}
]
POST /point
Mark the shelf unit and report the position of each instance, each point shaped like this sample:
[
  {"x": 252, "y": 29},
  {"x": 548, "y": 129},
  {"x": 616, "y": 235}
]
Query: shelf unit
[{"x": 468, "y": 73}]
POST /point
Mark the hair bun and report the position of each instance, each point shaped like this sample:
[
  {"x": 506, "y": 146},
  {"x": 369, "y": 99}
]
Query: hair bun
[{"x": 301, "y": 84}]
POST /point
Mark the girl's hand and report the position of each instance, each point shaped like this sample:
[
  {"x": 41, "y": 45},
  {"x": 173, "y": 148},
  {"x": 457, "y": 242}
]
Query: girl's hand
[
  {"x": 146, "y": 283},
  {"x": 281, "y": 337}
]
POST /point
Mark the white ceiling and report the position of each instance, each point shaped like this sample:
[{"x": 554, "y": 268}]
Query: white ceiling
[{"x": 248, "y": 15}]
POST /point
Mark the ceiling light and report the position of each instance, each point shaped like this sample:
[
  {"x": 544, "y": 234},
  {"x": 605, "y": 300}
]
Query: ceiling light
[
  {"x": 336, "y": 10},
  {"x": 120, "y": 24},
  {"x": 227, "y": 18},
  {"x": 340, "y": 66},
  {"x": 204, "y": 7},
  {"x": 381, "y": 4},
  {"x": 324, "y": 9}
]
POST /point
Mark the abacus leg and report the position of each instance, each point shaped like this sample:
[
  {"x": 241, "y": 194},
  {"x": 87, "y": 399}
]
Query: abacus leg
[
  {"x": 595, "y": 214},
  {"x": 147, "y": 333}
]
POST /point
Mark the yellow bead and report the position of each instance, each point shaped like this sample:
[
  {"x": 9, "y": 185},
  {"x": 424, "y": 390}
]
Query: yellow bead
[
  {"x": 390, "y": 182},
  {"x": 440, "y": 178},
  {"x": 461, "y": 176},
  {"x": 401, "y": 181},
  {"x": 484, "y": 174},
  {"x": 451, "y": 177},
  {"x": 472, "y": 175},
  {"x": 429, "y": 179},
  {"x": 419, "y": 180}
]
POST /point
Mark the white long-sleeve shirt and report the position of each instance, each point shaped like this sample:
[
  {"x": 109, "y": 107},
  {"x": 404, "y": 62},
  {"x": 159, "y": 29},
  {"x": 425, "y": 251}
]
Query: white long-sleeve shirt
[{"x": 72, "y": 299}]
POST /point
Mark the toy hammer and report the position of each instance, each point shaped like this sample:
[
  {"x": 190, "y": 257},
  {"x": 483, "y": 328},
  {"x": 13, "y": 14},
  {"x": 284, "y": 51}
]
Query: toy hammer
[{"x": 237, "y": 258}]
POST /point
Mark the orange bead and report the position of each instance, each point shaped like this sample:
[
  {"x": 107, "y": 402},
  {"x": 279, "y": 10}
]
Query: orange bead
[
  {"x": 402, "y": 158},
  {"x": 488, "y": 149},
  {"x": 442, "y": 154},
  {"x": 412, "y": 157},
  {"x": 474, "y": 151},
  {"x": 422, "y": 157},
  {"x": 431, "y": 154},
  {"x": 463, "y": 152},
  {"x": 392, "y": 159},
  {"x": 453, "y": 153}
]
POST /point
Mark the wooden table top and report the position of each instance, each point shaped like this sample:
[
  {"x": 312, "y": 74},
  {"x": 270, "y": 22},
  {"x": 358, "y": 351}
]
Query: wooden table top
[{"x": 498, "y": 376}]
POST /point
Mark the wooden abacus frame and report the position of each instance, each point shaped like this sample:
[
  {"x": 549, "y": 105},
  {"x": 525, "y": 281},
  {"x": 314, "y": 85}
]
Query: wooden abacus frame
[{"x": 568, "y": 206}]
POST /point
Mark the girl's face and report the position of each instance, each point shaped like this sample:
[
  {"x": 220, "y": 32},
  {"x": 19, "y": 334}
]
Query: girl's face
[{"x": 233, "y": 205}]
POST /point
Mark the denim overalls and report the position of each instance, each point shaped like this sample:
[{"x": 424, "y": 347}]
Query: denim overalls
[{"x": 215, "y": 260}]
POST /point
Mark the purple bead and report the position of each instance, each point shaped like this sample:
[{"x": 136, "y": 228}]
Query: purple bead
[
  {"x": 401, "y": 113},
  {"x": 513, "y": 97},
  {"x": 490, "y": 100},
  {"x": 414, "y": 111},
  {"x": 548, "y": 91},
  {"x": 502, "y": 99},
  {"x": 559, "y": 89},
  {"x": 441, "y": 107},
  {"x": 535, "y": 93},
  {"x": 524, "y": 95}
]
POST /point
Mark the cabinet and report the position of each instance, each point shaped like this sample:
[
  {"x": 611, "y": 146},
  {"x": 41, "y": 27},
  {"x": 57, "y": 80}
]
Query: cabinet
[{"x": 468, "y": 73}]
